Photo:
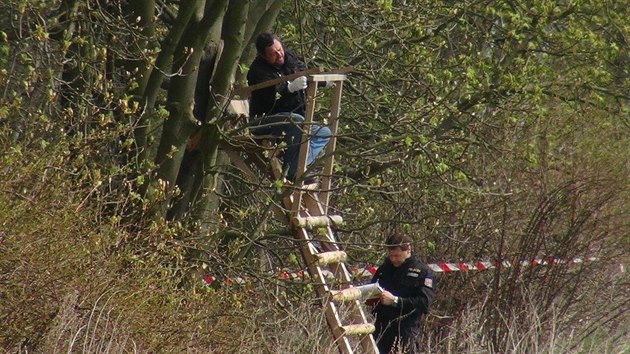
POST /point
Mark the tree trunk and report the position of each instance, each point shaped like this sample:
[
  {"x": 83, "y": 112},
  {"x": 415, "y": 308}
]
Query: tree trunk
[{"x": 181, "y": 122}]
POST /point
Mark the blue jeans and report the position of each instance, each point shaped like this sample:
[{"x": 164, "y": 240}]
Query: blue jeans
[{"x": 288, "y": 127}]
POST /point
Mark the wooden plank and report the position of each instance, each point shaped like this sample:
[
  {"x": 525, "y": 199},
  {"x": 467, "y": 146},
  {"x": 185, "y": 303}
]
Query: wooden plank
[
  {"x": 246, "y": 91},
  {"x": 342, "y": 70},
  {"x": 327, "y": 77}
]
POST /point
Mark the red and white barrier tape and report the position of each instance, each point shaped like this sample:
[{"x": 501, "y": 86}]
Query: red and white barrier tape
[
  {"x": 484, "y": 265},
  {"x": 369, "y": 270}
]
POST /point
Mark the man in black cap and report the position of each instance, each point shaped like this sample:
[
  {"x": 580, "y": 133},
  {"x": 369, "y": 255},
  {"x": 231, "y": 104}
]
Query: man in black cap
[{"x": 407, "y": 294}]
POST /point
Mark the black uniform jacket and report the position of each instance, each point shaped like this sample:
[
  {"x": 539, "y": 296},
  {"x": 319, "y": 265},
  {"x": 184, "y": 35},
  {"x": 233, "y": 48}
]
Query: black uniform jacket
[
  {"x": 412, "y": 282},
  {"x": 275, "y": 99}
]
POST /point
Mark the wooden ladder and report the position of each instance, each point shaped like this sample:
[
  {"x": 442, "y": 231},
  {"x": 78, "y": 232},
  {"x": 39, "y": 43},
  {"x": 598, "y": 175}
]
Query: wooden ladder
[{"x": 306, "y": 213}]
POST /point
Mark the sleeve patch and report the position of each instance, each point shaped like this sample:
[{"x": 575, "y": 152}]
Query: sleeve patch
[{"x": 428, "y": 282}]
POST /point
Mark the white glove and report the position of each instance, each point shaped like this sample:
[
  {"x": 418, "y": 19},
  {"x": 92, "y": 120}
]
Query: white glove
[{"x": 297, "y": 84}]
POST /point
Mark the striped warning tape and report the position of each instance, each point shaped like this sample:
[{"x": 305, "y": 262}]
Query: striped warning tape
[
  {"x": 484, "y": 265},
  {"x": 360, "y": 273}
]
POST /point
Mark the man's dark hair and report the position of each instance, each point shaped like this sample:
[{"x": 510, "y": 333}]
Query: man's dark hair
[
  {"x": 264, "y": 40},
  {"x": 398, "y": 240}
]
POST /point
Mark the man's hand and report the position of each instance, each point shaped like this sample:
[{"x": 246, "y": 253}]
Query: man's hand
[
  {"x": 387, "y": 298},
  {"x": 297, "y": 84}
]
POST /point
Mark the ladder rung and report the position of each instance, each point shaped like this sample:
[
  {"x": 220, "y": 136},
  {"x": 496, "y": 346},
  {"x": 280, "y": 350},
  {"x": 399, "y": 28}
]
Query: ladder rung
[
  {"x": 325, "y": 258},
  {"x": 317, "y": 221},
  {"x": 368, "y": 291},
  {"x": 359, "y": 329}
]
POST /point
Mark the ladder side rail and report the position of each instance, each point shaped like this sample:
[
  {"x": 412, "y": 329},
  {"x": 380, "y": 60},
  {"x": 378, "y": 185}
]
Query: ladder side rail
[
  {"x": 332, "y": 144},
  {"x": 322, "y": 290},
  {"x": 314, "y": 269},
  {"x": 311, "y": 91},
  {"x": 341, "y": 340},
  {"x": 369, "y": 344},
  {"x": 315, "y": 208},
  {"x": 340, "y": 270},
  {"x": 355, "y": 312}
]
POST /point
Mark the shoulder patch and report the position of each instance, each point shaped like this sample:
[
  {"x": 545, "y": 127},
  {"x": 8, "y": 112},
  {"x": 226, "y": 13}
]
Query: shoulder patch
[{"x": 428, "y": 282}]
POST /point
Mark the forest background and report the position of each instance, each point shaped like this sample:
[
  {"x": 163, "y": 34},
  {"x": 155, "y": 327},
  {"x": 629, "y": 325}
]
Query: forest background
[{"x": 485, "y": 129}]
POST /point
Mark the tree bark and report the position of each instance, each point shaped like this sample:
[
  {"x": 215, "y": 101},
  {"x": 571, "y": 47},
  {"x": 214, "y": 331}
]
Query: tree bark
[{"x": 181, "y": 122}]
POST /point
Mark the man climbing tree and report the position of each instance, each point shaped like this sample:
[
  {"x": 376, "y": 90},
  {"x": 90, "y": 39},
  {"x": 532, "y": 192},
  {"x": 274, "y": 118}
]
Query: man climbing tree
[
  {"x": 279, "y": 110},
  {"x": 407, "y": 294}
]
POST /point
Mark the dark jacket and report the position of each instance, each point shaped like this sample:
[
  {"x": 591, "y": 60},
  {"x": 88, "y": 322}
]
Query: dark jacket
[
  {"x": 412, "y": 282},
  {"x": 275, "y": 99}
]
